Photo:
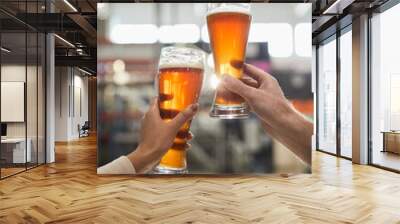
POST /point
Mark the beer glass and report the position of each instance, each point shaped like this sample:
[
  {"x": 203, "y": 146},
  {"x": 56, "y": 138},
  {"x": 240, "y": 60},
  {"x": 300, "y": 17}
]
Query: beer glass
[
  {"x": 179, "y": 81},
  {"x": 228, "y": 27}
]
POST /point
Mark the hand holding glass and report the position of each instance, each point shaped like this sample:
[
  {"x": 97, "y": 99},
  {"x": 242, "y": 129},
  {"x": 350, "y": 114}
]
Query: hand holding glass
[
  {"x": 179, "y": 79},
  {"x": 228, "y": 26}
]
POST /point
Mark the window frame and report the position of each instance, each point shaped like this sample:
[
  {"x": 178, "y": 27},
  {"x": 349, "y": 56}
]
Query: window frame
[{"x": 334, "y": 37}]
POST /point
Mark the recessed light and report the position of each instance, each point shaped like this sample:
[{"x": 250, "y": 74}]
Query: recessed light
[
  {"x": 64, "y": 40},
  {"x": 70, "y": 5},
  {"x": 5, "y": 49}
]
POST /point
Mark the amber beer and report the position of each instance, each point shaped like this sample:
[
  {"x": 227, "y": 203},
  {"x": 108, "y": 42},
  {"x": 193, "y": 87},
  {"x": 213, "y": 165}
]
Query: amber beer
[
  {"x": 179, "y": 85},
  {"x": 228, "y": 28}
]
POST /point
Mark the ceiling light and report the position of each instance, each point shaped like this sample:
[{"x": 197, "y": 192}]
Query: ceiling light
[
  {"x": 302, "y": 39},
  {"x": 179, "y": 33},
  {"x": 119, "y": 66},
  {"x": 337, "y": 7},
  {"x": 84, "y": 71},
  {"x": 279, "y": 37},
  {"x": 70, "y": 5},
  {"x": 134, "y": 34},
  {"x": 259, "y": 33},
  {"x": 121, "y": 78},
  {"x": 5, "y": 50},
  {"x": 65, "y": 41}
]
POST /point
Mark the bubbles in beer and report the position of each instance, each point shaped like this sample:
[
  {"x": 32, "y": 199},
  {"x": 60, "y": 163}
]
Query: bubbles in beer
[{"x": 180, "y": 79}]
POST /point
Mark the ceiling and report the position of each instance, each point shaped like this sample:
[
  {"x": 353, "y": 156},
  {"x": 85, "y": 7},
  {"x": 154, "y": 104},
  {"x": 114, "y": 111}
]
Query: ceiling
[{"x": 76, "y": 22}]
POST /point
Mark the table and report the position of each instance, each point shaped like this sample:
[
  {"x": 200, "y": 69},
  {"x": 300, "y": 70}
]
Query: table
[
  {"x": 391, "y": 141},
  {"x": 13, "y": 150}
]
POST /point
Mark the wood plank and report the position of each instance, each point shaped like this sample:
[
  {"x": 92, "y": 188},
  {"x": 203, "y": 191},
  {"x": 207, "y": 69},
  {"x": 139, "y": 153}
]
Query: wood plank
[{"x": 69, "y": 191}]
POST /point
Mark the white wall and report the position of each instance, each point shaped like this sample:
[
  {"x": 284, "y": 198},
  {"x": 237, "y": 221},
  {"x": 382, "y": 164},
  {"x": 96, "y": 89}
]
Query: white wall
[
  {"x": 15, "y": 73},
  {"x": 33, "y": 126},
  {"x": 61, "y": 103},
  {"x": 70, "y": 83},
  {"x": 79, "y": 117}
]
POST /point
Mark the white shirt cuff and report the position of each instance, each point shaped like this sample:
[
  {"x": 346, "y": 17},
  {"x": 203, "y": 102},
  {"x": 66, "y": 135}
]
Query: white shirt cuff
[{"x": 122, "y": 165}]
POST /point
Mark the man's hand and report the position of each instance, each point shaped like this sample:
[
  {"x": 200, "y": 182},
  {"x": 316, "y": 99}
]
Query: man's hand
[
  {"x": 280, "y": 119},
  {"x": 261, "y": 92}
]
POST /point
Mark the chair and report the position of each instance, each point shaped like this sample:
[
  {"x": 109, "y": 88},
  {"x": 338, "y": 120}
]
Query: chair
[{"x": 84, "y": 130}]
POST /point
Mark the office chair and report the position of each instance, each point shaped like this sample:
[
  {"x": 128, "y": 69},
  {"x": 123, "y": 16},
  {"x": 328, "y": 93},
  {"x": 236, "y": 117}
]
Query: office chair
[{"x": 84, "y": 130}]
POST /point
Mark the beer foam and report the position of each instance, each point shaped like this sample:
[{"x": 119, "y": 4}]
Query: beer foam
[
  {"x": 180, "y": 65},
  {"x": 181, "y": 57},
  {"x": 231, "y": 9}
]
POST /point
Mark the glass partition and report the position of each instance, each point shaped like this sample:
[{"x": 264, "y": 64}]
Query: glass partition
[
  {"x": 13, "y": 109},
  {"x": 327, "y": 96},
  {"x": 22, "y": 90}
]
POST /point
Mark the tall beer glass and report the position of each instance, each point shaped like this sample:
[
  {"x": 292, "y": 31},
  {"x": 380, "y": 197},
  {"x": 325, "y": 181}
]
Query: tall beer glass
[
  {"x": 228, "y": 27},
  {"x": 179, "y": 80}
]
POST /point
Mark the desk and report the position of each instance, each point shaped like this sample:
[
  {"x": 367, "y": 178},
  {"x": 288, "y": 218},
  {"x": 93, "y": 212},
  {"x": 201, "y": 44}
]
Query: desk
[
  {"x": 13, "y": 150},
  {"x": 391, "y": 141}
]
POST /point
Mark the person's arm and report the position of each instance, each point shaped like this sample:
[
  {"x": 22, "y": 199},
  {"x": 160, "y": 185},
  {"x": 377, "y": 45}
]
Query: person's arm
[
  {"x": 279, "y": 118},
  {"x": 156, "y": 136}
]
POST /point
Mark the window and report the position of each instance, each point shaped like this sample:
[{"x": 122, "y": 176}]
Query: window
[
  {"x": 346, "y": 94},
  {"x": 327, "y": 97},
  {"x": 385, "y": 89}
]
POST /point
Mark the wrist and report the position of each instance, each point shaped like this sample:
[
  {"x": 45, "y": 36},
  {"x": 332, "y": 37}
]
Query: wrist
[
  {"x": 286, "y": 115},
  {"x": 293, "y": 118},
  {"x": 294, "y": 131},
  {"x": 290, "y": 119},
  {"x": 139, "y": 159}
]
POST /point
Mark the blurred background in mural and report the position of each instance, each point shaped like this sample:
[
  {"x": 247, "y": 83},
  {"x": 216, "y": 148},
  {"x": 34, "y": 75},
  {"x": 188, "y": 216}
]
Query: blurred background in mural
[{"x": 130, "y": 37}]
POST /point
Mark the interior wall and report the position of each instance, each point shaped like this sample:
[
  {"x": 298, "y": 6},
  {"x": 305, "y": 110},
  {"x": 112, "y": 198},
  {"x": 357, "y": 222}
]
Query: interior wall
[
  {"x": 33, "y": 125},
  {"x": 16, "y": 73},
  {"x": 71, "y": 102},
  {"x": 62, "y": 78},
  {"x": 80, "y": 109}
]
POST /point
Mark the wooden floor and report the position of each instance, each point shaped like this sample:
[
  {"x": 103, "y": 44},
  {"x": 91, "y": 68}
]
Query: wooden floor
[
  {"x": 69, "y": 191},
  {"x": 387, "y": 159},
  {"x": 10, "y": 171}
]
